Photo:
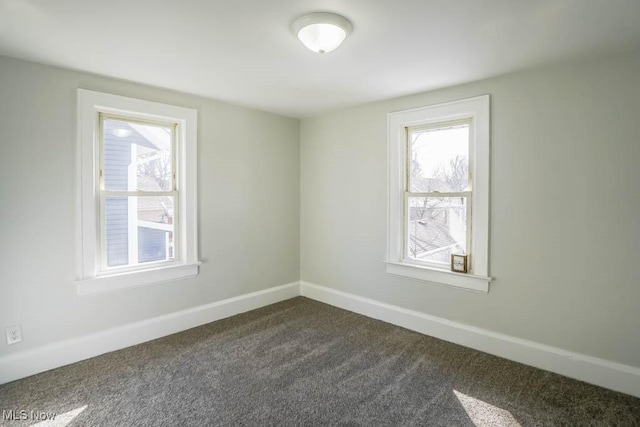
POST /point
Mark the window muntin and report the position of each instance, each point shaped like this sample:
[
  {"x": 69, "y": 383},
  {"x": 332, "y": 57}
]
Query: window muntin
[{"x": 438, "y": 192}]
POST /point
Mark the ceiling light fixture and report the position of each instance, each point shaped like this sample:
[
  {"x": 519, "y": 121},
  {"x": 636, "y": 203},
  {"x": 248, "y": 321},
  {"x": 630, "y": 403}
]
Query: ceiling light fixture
[{"x": 321, "y": 32}]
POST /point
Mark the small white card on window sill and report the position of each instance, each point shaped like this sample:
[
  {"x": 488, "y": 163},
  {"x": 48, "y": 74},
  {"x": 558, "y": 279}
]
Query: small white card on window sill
[{"x": 460, "y": 263}]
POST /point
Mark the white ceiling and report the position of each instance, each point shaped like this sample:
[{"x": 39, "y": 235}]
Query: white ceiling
[{"x": 242, "y": 51}]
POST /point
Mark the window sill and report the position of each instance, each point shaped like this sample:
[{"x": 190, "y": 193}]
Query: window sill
[
  {"x": 470, "y": 282},
  {"x": 119, "y": 281}
]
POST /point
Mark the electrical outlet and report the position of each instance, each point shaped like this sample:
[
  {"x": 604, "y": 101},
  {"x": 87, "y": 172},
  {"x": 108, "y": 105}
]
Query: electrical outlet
[{"x": 14, "y": 334}]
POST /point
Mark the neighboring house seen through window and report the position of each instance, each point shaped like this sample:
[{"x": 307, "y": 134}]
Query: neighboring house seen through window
[
  {"x": 137, "y": 192},
  {"x": 439, "y": 192}
]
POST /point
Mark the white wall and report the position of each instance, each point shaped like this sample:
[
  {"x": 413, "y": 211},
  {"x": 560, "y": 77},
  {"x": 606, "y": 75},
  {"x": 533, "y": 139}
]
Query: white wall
[
  {"x": 565, "y": 185},
  {"x": 248, "y": 207},
  {"x": 565, "y": 203}
]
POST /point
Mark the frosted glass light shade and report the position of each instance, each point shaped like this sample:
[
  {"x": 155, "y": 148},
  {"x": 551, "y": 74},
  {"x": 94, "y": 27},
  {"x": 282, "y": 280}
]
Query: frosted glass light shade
[
  {"x": 321, "y": 38},
  {"x": 321, "y": 32}
]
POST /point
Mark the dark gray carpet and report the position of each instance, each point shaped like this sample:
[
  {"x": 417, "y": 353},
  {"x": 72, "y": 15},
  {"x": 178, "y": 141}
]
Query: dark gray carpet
[{"x": 301, "y": 362}]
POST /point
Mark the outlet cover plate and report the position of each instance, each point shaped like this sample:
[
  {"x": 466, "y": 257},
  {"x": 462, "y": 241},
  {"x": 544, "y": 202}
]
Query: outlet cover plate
[{"x": 14, "y": 334}]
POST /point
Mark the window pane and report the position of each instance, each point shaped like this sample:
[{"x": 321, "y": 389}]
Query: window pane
[
  {"x": 117, "y": 229},
  {"x": 436, "y": 228},
  {"x": 136, "y": 156},
  {"x": 439, "y": 159},
  {"x": 139, "y": 230}
]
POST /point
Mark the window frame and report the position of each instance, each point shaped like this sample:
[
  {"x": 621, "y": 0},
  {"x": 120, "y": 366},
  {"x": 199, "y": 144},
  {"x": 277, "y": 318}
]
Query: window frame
[
  {"x": 477, "y": 110},
  {"x": 92, "y": 275}
]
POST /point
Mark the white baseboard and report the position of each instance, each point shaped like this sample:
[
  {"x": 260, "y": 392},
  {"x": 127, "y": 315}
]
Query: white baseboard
[
  {"x": 30, "y": 362},
  {"x": 611, "y": 375}
]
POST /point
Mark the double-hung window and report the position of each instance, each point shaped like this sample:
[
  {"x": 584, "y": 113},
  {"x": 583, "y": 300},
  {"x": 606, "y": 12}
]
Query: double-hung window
[
  {"x": 137, "y": 192},
  {"x": 436, "y": 202},
  {"x": 439, "y": 192}
]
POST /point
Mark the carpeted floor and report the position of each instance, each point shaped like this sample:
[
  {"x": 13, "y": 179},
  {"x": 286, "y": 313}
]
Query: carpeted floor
[{"x": 300, "y": 362}]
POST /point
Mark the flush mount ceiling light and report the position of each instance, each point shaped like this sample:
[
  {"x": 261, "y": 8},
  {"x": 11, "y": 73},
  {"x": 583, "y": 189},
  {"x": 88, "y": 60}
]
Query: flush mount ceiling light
[{"x": 321, "y": 32}]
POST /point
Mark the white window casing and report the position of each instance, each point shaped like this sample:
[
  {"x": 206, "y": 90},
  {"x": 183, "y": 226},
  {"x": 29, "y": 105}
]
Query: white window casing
[
  {"x": 476, "y": 109},
  {"x": 92, "y": 276}
]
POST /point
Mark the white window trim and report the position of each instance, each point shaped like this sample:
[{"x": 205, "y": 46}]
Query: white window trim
[
  {"x": 478, "y": 109},
  {"x": 89, "y": 278}
]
